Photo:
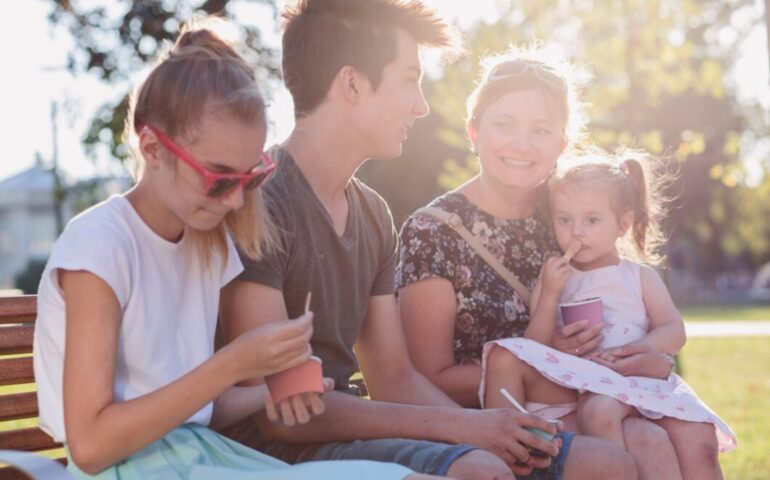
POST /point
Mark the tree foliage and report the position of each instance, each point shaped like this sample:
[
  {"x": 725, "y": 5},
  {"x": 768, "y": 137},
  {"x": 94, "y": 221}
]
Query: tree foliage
[
  {"x": 659, "y": 83},
  {"x": 116, "y": 39}
]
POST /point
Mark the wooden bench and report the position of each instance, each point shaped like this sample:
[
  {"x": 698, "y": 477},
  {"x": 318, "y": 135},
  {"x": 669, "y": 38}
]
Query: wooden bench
[{"x": 17, "y": 327}]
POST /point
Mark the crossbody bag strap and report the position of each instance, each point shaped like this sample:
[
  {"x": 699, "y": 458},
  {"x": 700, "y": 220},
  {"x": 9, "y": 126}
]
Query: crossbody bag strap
[{"x": 455, "y": 222}]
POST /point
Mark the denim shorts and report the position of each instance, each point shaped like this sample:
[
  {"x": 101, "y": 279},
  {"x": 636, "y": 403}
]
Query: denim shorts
[
  {"x": 421, "y": 456},
  {"x": 424, "y": 456},
  {"x": 555, "y": 471}
]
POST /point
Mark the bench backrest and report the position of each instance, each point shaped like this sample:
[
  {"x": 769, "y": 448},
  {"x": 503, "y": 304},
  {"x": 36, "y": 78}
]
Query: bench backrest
[{"x": 17, "y": 327}]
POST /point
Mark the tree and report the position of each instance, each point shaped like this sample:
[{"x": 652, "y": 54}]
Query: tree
[
  {"x": 114, "y": 40},
  {"x": 659, "y": 83}
]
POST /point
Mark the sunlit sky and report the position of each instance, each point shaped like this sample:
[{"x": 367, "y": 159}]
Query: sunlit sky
[{"x": 34, "y": 53}]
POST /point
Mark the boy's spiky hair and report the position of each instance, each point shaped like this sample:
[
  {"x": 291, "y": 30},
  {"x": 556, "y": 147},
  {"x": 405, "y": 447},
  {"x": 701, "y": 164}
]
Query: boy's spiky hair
[{"x": 322, "y": 36}]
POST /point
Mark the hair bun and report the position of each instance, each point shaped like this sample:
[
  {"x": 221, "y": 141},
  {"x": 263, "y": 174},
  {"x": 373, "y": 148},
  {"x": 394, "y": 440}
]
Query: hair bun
[{"x": 199, "y": 36}]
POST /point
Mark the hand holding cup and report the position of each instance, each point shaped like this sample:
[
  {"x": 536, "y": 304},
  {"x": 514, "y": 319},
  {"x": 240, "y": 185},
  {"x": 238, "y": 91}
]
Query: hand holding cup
[
  {"x": 298, "y": 408},
  {"x": 545, "y": 435},
  {"x": 271, "y": 348},
  {"x": 297, "y": 388},
  {"x": 590, "y": 309}
]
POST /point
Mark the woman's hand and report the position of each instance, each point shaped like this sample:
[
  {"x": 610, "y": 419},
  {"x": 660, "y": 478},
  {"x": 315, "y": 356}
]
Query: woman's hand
[
  {"x": 607, "y": 355},
  {"x": 299, "y": 408},
  {"x": 272, "y": 348},
  {"x": 576, "y": 339},
  {"x": 635, "y": 359}
]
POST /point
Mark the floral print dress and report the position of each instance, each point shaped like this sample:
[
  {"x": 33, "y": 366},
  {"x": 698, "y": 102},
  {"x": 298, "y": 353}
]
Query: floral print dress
[{"x": 488, "y": 308}]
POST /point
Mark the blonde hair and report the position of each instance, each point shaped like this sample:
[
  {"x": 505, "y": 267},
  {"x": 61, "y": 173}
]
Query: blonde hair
[
  {"x": 203, "y": 73},
  {"x": 634, "y": 181},
  {"x": 537, "y": 68}
]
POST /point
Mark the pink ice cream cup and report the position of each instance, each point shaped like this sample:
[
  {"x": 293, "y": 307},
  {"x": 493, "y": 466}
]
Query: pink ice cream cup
[
  {"x": 588, "y": 309},
  {"x": 302, "y": 378}
]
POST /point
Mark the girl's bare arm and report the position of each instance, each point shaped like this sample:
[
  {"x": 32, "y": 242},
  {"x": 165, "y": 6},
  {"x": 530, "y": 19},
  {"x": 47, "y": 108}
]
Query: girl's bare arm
[
  {"x": 666, "y": 332},
  {"x": 100, "y": 431}
]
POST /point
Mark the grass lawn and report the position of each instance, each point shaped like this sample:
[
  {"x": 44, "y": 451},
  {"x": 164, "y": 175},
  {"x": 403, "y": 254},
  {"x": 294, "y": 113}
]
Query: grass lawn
[
  {"x": 730, "y": 375},
  {"x": 726, "y": 312}
]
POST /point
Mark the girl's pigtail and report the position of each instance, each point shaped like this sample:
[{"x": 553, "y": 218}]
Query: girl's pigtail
[
  {"x": 635, "y": 182},
  {"x": 647, "y": 200},
  {"x": 634, "y": 171}
]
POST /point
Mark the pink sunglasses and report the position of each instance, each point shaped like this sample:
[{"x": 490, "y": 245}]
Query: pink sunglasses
[{"x": 217, "y": 184}]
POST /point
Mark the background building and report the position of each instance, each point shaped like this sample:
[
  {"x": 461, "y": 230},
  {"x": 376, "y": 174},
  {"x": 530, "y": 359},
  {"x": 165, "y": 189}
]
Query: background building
[
  {"x": 28, "y": 216},
  {"x": 27, "y": 220}
]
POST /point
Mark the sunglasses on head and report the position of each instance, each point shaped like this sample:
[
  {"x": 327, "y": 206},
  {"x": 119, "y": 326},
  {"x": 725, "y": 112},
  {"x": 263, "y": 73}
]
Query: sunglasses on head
[
  {"x": 522, "y": 68},
  {"x": 217, "y": 184}
]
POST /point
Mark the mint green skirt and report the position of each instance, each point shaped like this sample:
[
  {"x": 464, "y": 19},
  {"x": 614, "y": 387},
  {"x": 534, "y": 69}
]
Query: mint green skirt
[{"x": 195, "y": 452}]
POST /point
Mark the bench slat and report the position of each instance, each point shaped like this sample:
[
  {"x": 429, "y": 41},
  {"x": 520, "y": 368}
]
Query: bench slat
[
  {"x": 16, "y": 339},
  {"x": 18, "y": 405},
  {"x": 14, "y": 371},
  {"x": 10, "y": 473},
  {"x": 19, "y": 314},
  {"x": 21, "y": 309},
  {"x": 27, "y": 439}
]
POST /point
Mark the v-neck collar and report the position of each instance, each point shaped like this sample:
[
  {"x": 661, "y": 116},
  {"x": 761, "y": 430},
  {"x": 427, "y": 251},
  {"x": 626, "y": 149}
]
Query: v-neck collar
[{"x": 293, "y": 169}]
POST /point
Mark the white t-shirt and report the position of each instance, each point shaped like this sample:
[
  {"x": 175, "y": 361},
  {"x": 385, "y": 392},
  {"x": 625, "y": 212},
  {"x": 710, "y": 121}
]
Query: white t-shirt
[{"x": 169, "y": 300}]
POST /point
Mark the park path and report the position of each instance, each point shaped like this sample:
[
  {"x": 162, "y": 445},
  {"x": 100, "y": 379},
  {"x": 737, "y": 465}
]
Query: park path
[{"x": 730, "y": 328}]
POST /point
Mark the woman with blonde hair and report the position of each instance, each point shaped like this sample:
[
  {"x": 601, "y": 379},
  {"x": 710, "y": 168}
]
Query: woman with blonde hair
[{"x": 522, "y": 116}]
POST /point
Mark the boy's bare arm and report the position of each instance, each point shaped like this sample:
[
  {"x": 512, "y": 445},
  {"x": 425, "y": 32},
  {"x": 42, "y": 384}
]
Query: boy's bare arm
[
  {"x": 246, "y": 305},
  {"x": 348, "y": 418}
]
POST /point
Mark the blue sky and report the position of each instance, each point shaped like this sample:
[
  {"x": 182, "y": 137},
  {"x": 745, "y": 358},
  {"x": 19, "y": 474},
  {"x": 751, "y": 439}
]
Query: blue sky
[{"x": 34, "y": 54}]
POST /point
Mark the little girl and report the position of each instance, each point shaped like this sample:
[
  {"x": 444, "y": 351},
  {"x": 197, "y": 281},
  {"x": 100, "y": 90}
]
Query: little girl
[
  {"x": 124, "y": 356},
  {"x": 606, "y": 213}
]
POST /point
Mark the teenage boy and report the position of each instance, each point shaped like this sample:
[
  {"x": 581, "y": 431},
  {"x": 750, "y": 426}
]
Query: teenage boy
[{"x": 353, "y": 70}]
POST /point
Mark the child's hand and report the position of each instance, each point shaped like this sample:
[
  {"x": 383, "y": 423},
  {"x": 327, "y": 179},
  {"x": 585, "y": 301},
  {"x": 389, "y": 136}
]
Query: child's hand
[
  {"x": 578, "y": 338},
  {"x": 272, "y": 348},
  {"x": 556, "y": 271},
  {"x": 299, "y": 408}
]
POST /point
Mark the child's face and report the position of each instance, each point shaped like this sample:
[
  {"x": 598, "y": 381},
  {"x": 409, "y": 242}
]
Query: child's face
[
  {"x": 223, "y": 145},
  {"x": 587, "y": 216}
]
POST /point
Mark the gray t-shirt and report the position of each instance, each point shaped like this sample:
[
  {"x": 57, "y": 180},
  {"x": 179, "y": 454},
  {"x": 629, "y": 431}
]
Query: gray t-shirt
[{"x": 341, "y": 271}]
